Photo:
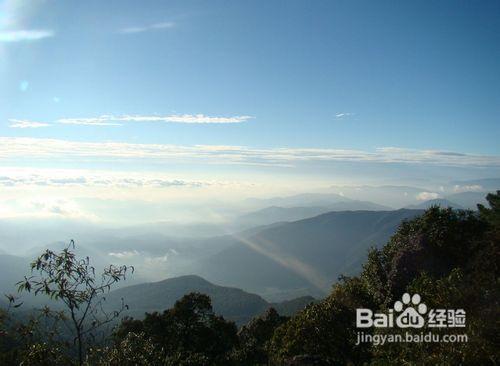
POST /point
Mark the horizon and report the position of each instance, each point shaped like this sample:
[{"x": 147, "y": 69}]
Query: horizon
[{"x": 187, "y": 102}]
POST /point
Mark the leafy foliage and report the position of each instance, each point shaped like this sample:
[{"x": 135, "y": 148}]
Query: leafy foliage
[
  {"x": 325, "y": 329},
  {"x": 190, "y": 330},
  {"x": 73, "y": 281},
  {"x": 255, "y": 337}
]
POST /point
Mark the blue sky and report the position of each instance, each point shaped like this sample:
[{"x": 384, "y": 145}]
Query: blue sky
[{"x": 345, "y": 80}]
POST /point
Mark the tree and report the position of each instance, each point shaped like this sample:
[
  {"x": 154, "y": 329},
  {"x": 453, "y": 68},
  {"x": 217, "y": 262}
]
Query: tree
[
  {"x": 134, "y": 349},
  {"x": 73, "y": 281},
  {"x": 434, "y": 243},
  {"x": 491, "y": 214},
  {"x": 324, "y": 332},
  {"x": 451, "y": 258},
  {"x": 190, "y": 331},
  {"x": 255, "y": 337}
]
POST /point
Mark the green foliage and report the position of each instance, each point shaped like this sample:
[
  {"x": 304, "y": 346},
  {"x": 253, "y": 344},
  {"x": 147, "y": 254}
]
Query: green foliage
[
  {"x": 135, "y": 349},
  {"x": 325, "y": 329},
  {"x": 491, "y": 214},
  {"x": 44, "y": 354},
  {"x": 434, "y": 243},
  {"x": 255, "y": 338},
  {"x": 73, "y": 281},
  {"x": 35, "y": 341},
  {"x": 190, "y": 331}
]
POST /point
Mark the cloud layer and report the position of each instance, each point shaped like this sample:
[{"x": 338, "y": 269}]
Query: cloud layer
[
  {"x": 150, "y": 27},
  {"x": 175, "y": 118},
  {"x": 21, "y": 147},
  {"x": 110, "y": 120},
  {"x": 19, "y": 123},
  {"x": 94, "y": 180}
]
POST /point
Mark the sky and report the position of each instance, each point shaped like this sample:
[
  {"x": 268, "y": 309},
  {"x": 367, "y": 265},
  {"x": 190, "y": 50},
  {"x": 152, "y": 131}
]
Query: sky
[{"x": 173, "y": 101}]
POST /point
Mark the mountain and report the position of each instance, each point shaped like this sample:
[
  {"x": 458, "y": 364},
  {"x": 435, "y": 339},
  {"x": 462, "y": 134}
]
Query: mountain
[
  {"x": 12, "y": 270},
  {"x": 441, "y": 202},
  {"x": 468, "y": 199},
  {"x": 307, "y": 254},
  {"x": 299, "y": 200},
  {"x": 233, "y": 303},
  {"x": 394, "y": 196},
  {"x": 292, "y": 307},
  {"x": 276, "y": 214},
  {"x": 355, "y": 205}
]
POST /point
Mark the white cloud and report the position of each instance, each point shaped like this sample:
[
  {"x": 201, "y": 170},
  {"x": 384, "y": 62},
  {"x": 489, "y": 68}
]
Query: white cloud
[
  {"x": 468, "y": 188},
  {"x": 156, "y": 260},
  {"x": 343, "y": 115},
  {"x": 16, "y": 147},
  {"x": 110, "y": 120},
  {"x": 426, "y": 196},
  {"x": 19, "y": 123},
  {"x": 150, "y": 27},
  {"x": 24, "y": 35},
  {"x": 69, "y": 179},
  {"x": 94, "y": 121},
  {"x": 14, "y": 27},
  {"x": 126, "y": 254}
]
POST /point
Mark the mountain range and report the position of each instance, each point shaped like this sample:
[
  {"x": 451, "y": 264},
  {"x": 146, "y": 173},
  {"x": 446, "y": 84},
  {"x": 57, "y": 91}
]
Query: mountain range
[
  {"x": 304, "y": 256},
  {"x": 274, "y": 214},
  {"x": 441, "y": 202},
  {"x": 232, "y": 303}
]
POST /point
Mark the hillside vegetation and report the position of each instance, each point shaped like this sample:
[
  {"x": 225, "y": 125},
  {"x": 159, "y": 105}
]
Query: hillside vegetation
[{"x": 449, "y": 257}]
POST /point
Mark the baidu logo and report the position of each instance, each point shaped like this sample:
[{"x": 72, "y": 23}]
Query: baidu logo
[
  {"x": 410, "y": 312},
  {"x": 411, "y": 316}
]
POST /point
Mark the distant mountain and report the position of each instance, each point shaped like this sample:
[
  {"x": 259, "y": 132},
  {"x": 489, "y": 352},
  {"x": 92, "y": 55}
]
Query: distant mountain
[
  {"x": 299, "y": 200},
  {"x": 468, "y": 199},
  {"x": 355, "y": 205},
  {"x": 12, "y": 270},
  {"x": 292, "y": 307},
  {"x": 441, "y": 202},
  {"x": 233, "y": 303},
  {"x": 276, "y": 214},
  {"x": 394, "y": 196},
  {"x": 307, "y": 254}
]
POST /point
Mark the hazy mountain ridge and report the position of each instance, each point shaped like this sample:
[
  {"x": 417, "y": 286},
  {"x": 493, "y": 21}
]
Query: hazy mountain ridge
[
  {"x": 305, "y": 254},
  {"x": 233, "y": 303},
  {"x": 468, "y": 200},
  {"x": 441, "y": 202},
  {"x": 299, "y": 200},
  {"x": 274, "y": 214}
]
